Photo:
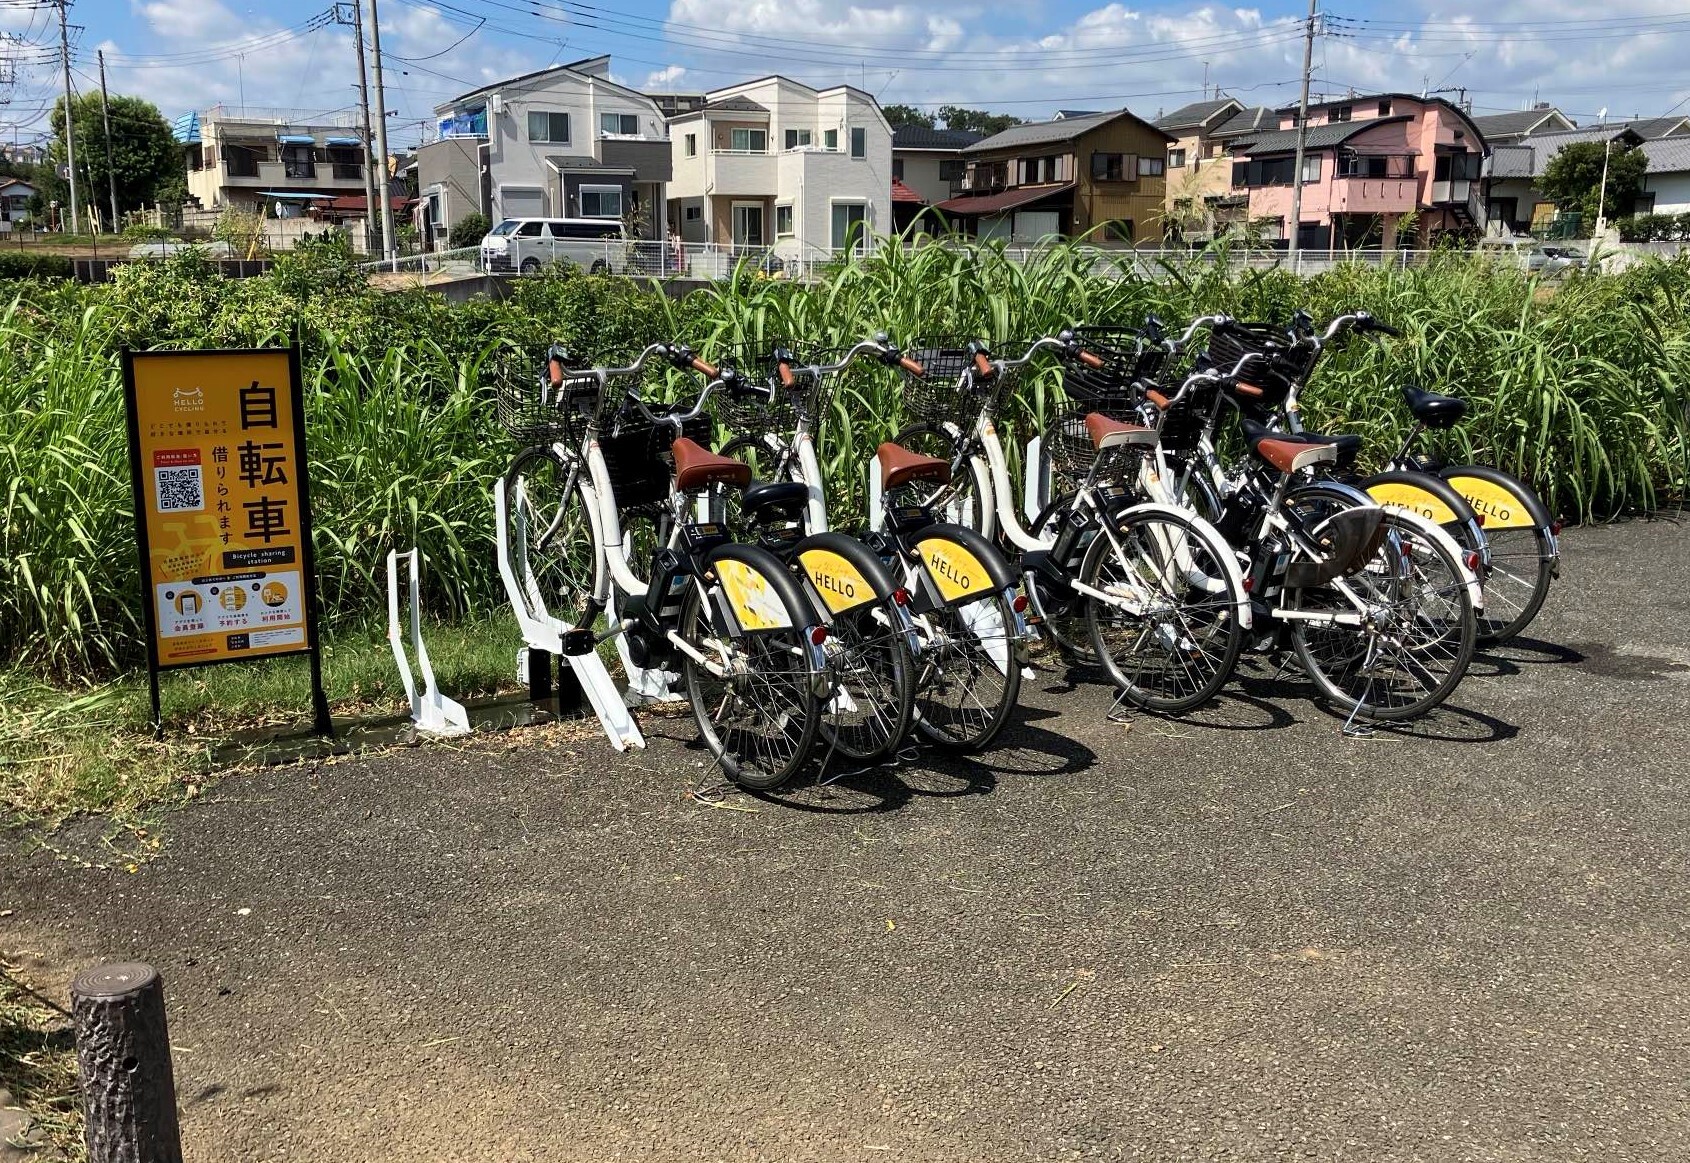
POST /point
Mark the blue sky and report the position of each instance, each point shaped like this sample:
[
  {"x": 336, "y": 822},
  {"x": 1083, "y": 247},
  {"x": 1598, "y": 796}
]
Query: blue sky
[{"x": 1029, "y": 58}]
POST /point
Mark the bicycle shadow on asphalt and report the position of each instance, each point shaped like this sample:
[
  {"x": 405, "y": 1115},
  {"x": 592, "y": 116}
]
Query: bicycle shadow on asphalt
[{"x": 1508, "y": 659}]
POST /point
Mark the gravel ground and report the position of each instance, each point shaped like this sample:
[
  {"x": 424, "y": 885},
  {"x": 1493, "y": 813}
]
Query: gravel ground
[{"x": 1239, "y": 935}]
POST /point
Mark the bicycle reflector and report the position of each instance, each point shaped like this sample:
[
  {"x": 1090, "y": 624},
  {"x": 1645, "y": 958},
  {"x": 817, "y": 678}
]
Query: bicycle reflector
[
  {"x": 1555, "y": 528},
  {"x": 1480, "y": 518},
  {"x": 1020, "y": 603},
  {"x": 1473, "y": 562},
  {"x": 901, "y": 596},
  {"x": 818, "y": 635}
]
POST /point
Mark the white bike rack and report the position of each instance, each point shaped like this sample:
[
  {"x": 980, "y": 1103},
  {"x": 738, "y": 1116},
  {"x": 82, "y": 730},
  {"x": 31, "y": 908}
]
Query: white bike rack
[
  {"x": 431, "y": 711},
  {"x": 1036, "y": 475},
  {"x": 542, "y": 631}
]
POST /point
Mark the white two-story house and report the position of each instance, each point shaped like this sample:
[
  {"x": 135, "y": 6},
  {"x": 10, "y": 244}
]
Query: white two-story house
[
  {"x": 776, "y": 163},
  {"x": 565, "y": 142}
]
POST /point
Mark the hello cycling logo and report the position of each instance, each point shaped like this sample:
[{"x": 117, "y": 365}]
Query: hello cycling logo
[{"x": 187, "y": 400}]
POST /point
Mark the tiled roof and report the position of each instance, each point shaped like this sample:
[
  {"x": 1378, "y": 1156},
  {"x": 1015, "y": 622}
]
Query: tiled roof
[
  {"x": 920, "y": 137},
  {"x": 1530, "y": 156},
  {"x": 970, "y": 205},
  {"x": 1196, "y": 114},
  {"x": 1650, "y": 128},
  {"x": 1049, "y": 132},
  {"x": 1500, "y": 125},
  {"x": 1253, "y": 120},
  {"x": 902, "y": 193},
  {"x": 1315, "y": 137},
  {"x": 1668, "y": 155}
]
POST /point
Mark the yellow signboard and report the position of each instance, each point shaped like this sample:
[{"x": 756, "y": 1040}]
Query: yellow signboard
[
  {"x": 956, "y": 571},
  {"x": 217, "y": 454},
  {"x": 1398, "y": 495}
]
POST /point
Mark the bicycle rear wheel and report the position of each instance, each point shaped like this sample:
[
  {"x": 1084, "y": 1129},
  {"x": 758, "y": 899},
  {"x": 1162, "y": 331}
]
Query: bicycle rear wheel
[
  {"x": 968, "y": 672},
  {"x": 1420, "y": 633},
  {"x": 1063, "y": 611},
  {"x": 874, "y": 698},
  {"x": 550, "y": 534},
  {"x": 1170, "y": 636},
  {"x": 759, "y": 718}
]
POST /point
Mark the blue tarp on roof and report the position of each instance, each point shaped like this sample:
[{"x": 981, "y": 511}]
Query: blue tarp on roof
[
  {"x": 296, "y": 139},
  {"x": 186, "y": 128},
  {"x": 342, "y": 141}
]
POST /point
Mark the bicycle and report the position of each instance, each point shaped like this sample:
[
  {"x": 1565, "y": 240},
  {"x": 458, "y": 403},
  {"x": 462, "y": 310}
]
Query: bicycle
[
  {"x": 1161, "y": 574},
  {"x": 956, "y": 592},
  {"x": 747, "y": 640}
]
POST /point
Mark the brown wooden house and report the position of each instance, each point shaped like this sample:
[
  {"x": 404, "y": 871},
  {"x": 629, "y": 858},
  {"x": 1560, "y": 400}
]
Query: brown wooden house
[{"x": 1095, "y": 175}]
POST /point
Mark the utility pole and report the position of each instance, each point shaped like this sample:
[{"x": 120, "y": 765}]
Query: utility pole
[
  {"x": 1296, "y": 223},
  {"x": 70, "y": 122},
  {"x": 364, "y": 120},
  {"x": 105, "y": 117},
  {"x": 1602, "y": 190},
  {"x": 389, "y": 243}
]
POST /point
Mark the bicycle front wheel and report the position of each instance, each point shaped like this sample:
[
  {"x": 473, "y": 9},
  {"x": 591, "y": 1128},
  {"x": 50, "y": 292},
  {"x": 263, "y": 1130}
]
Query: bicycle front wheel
[
  {"x": 1417, "y": 633},
  {"x": 759, "y": 717},
  {"x": 1169, "y": 631},
  {"x": 960, "y": 501},
  {"x": 968, "y": 673},
  {"x": 549, "y": 533}
]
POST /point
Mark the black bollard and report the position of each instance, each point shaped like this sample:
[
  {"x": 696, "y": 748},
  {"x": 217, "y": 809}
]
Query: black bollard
[{"x": 123, "y": 1058}]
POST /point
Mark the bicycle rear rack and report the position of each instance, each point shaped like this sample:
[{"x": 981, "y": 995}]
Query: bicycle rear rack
[{"x": 541, "y": 631}]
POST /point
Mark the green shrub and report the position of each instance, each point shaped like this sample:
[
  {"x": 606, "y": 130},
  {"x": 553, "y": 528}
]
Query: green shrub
[
  {"x": 145, "y": 232},
  {"x": 28, "y": 265},
  {"x": 469, "y": 231}
]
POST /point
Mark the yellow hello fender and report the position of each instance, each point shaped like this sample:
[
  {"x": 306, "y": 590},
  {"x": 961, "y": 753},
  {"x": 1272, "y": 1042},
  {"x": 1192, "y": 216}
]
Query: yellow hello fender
[
  {"x": 1499, "y": 507},
  {"x": 1396, "y": 495},
  {"x": 752, "y": 599},
  {"x": 841, "y": 585},
  {"x": 956, "y": 571}
]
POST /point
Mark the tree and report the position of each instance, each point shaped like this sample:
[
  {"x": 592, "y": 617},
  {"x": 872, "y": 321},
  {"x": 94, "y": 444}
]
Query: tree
[
  {"x": 1574, "y": 175},
  {"x": 469, "y": 231},
  {"x": 144, "y": 152},
  {"x": 976, "y": 120},
  {"x": 906, "y": 116}
]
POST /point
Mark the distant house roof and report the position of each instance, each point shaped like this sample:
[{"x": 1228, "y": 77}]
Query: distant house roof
[
  {"x": 1051, "y": 132},
  {"x": 1529, "y": 157},
  {"x": 1067, "y": 114},
  {"x": 1004, "y": 200},
  {"x": 734, "y": 104},
  {"x": 1315, "y": 137},
  {"x": 902, "y": 193},
  {"x": 1198, "y": 114},
  {"x": 1252, "y": 120},
  {"x": 1498, "y": 126},
  {"x": 597, "y": 68},
  {"x": 1650, "y": 128},
  {"x": 15, "y": 188},
  {"x": 1668, "y": 155},
  {"x": 920, "y": 137}
]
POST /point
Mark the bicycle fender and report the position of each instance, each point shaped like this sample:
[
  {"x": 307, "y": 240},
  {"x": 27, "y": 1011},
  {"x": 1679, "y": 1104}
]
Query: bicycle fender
[
  {"x": 960, "y": 563},
  {"x": 1436, "y": 532},
  {"x": 1419, "y": 493},
  {"x": 1218, "y": 548},
  {"x": 1501, "y": 498},
  {"x": 758, "y": 590},
  {"x": 845, "y": 572}
]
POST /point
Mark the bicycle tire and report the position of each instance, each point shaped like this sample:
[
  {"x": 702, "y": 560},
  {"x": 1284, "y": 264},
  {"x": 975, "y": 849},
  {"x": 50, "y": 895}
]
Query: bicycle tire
[
  {"x": 953, "y": 664},
  {"x": 760, "y": 723},
  {"x": 1339, "y": 659},
  {"x": 550, "y": 533},
  {"x": 959, "y": 501},
  {"x": 1522, "y": 556},
  {"x": 1190, "y": 655}
]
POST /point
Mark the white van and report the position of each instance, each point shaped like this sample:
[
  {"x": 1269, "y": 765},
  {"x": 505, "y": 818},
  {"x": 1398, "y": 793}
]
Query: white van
[{"x": 527, "y": 244}]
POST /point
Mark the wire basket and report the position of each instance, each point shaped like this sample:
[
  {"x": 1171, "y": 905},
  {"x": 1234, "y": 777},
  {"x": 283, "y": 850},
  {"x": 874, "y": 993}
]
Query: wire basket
[
  {"x": 1282, "y": 367},
  {"x": 637, "y": 454},
  {"x": 755, "y": 413},
  {"x": 534, "y": 410},
  {"x": 1126, "y": 360},
  {"x": 948, "y": 390},
  {"x": 1067, "y": 441}
]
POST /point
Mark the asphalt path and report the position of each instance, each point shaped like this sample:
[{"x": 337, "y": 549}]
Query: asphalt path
[{"x": 1239, "y": 935}]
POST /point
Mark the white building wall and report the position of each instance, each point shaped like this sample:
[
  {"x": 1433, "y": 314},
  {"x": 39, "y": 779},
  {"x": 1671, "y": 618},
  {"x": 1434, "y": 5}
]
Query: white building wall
[{"x": 1672, "y": 192}]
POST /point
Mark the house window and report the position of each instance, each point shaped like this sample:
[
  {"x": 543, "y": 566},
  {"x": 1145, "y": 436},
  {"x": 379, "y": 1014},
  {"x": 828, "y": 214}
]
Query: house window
[
  {"x": 898, "y": 168},
  {"x": 859, "y": 142},
  {"x": 830, "y": 140},
  {"x": 1151, "y": 167},
  {"x": 748, "y": 140},
  {"x": 1109, "y": 167},
  {"x": 1176, "y": 159},
  {"x": 692, "y": 145},
  {"x": 1385, "y": 108},
  {"x": 797, "y": 137},
  {"x": 693, "y": 213},
  {"x": 783, "y": 221},
  {"x": 849, "y": 224},
  {"x": 623, "y": 124},
  {"x": 552, "y": 127},
  {"x": 601, "y": 201},
  {"x": 952, "y": 170},
  {"x": 1340, "y": 113},
  {"x": 1311, "y": 168}
]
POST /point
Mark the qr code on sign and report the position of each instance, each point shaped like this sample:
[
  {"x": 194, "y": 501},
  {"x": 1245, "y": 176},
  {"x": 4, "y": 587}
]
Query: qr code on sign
[{"x": 180, "y": 490}]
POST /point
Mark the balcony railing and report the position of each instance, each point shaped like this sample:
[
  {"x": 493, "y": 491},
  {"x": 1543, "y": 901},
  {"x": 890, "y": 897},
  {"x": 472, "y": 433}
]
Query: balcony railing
[
  {"x": 353, "y": 171},
  {"x": 293, "y": 168}
]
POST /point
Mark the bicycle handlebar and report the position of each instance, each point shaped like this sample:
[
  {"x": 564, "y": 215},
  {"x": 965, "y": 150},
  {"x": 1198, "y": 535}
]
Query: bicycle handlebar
[{"x": 1195, "y": 379}]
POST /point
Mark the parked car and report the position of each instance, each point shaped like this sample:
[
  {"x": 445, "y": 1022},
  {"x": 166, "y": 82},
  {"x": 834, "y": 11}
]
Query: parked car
[
  {"x": 527, "y": 244},
  {"x": 1553, "y": 260}
]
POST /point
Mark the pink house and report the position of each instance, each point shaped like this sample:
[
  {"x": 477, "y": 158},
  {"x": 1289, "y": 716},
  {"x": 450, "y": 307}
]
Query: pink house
[{"x": 1367, "y": 162}]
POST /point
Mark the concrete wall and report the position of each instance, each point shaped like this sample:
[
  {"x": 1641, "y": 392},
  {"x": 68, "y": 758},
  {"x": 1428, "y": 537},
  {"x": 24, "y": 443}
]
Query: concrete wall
[{"x": 453, "y": 166}]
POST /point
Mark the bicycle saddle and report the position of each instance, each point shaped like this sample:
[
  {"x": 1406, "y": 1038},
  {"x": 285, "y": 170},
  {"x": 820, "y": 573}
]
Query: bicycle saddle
[
  {"x": 774, "y": 500},
  {"x": 1433, "y": 410},
  {"x": 697, "y": 468},
  {"x": 900, "y": 466},
  {"x": 1348, "y": 444},
  {"x": 1110, "y": 433},
  {"x": 1287, "y": 451}
]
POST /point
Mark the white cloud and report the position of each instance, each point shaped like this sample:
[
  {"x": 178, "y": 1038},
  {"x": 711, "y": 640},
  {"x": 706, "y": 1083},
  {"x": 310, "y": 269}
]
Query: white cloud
[{"x": 665, "y": 78}]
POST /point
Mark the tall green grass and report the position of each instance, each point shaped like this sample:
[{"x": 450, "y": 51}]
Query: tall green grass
[{"x": 1582, "y": 390}]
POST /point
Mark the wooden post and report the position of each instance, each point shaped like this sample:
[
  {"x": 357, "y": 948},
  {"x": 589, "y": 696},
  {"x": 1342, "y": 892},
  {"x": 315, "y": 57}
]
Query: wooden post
[{"x": 123, "y": 1058}]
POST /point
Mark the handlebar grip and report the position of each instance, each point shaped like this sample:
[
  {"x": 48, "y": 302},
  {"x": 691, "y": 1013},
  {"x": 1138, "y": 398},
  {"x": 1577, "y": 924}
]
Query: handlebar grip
[
  {"x": 1091, "y": 359},
  {"x": 1393, "y": 332},
  {"x": 1250, "y": 390},
  {"x": 703, "y": 367},
  {"x": 787, "y": 379},
  {"x": 983, "y": 364},
  {"x": 554, "y": 371},
  {"x": 912, "y": 366},
  {"x": 1157, "y": 398}
]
